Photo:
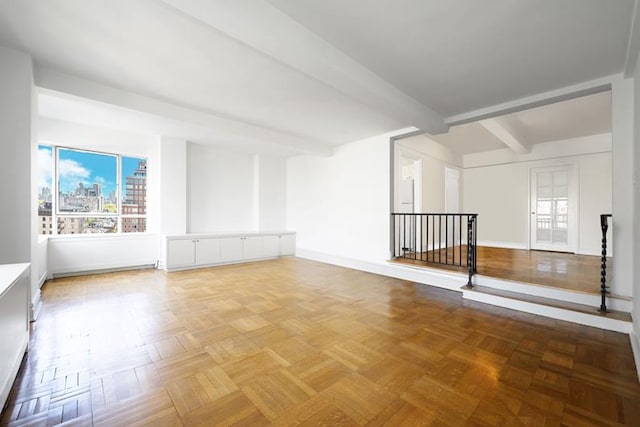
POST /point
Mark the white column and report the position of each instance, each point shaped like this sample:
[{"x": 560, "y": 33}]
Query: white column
[
  {"x": 623, "y": 226},
  {"x": 16, "y": 217},
  {"x": 173, "y": 186},
  {"x": 270, "y": 192}
]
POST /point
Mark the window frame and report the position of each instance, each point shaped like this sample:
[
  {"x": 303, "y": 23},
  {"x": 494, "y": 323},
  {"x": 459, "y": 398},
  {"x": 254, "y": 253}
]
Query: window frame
[{"x": 56, "y": 214}]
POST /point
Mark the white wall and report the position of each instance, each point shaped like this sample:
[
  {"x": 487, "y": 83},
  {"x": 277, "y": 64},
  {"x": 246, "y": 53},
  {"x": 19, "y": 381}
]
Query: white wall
[
  {"x": 173, "y": 186},
  {"x": 234, "y": 191},
  {"x": 434, "y": 158},
  {"x": 340, "y": 205},
  {"x": 622, "y": 129},
  {"x": 596, "y": 186},
  {"x": 271, "y": 190},
  {"x": 16, "y": 219},
  {"x": 499, "y": 195},
  {"x": 499, "y": 192},
  {"x": 635, "y": 336},
  {"x": 220, "y": 190},
  {"x": 18, "y": 223},
  {"x": 85, "y": 253}
]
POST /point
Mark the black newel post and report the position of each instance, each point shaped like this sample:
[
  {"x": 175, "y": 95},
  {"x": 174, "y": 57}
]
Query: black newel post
[
  {"x": 470, "y": 250},
  {"x": 604, "y": 225}
]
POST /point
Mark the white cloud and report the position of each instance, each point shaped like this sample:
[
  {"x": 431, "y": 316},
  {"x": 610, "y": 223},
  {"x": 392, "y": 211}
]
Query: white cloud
[
  {"x": 71, "y": 173},
  {"x": 70, "y": 169}
]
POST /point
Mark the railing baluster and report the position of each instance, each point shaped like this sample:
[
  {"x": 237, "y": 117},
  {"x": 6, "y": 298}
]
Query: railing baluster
[
  {"x": 415, "y": 238},
  {"x": 469, "y": 250},
  {"x": 421, "y": 234},
  {"x": 446, "y": 239},
  {"x": 418, "y": 232},
  {"x": 440, "y": 238},
  {"x": 398, "y": 237},
  {"x": 604, "y": 226},
  {"x": 475, "y": 244},
  {"x": 433, "y": 238},
  {"x": 460, "y": 240}
]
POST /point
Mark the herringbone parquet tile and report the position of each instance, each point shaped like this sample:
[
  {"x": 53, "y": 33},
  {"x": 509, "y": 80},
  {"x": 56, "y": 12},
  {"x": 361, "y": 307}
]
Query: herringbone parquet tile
[{"x": 294, "y": 342}]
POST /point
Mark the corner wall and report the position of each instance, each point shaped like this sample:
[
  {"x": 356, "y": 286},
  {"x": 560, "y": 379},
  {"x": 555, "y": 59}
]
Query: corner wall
[
  {"x": 220, "y": 193},
  {"x": 635, "y": 336},
  {"x": 339, "y": 205},
  {"x": 234, "y": 191},
  {"x": 16, "y": 219}
]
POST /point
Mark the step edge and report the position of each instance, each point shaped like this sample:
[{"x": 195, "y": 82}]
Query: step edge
[{"x": 594, "y": 320}]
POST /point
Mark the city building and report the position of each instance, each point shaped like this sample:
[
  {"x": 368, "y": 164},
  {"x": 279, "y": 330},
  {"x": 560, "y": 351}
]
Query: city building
[{"x": 135, "y": 199}]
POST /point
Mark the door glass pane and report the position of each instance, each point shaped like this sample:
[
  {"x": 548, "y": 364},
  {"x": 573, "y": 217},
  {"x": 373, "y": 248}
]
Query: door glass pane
[
  {"x": 560, "y": 236},
  {"x": 552, "y": 207}
]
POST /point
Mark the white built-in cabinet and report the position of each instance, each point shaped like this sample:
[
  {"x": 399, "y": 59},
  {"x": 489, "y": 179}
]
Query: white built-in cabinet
[
  {"x": 14, "y": 323},
  {"x": 199, "y": 250}
]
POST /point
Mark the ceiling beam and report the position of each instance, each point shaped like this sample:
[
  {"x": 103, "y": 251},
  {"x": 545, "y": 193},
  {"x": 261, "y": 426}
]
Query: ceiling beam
[
  {"x": 228, "y": 128},
  {"x": 545, "y": 98},
  {"x": 506, "y": 132},
  {"x": 265, "y": 29}
]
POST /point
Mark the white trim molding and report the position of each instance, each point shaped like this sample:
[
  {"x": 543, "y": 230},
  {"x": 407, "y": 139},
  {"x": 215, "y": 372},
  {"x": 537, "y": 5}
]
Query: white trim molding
[
  {"x": 504, "y": 245},
  {"x": 635, "y": 347},
  {"x": 36, "y": 305}
]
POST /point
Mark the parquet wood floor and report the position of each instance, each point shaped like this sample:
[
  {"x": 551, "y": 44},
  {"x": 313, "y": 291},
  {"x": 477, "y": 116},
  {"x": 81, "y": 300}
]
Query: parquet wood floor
[
  {"x": 295, "y": 342},
  {"x": 554, "y": 269}
]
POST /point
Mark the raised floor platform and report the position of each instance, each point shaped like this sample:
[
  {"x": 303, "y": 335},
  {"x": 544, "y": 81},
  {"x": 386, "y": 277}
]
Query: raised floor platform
[
  {"x": 553, "y": 269},
  {"x": 558, "y": 285},
  {"x": 568, "y": 310}
]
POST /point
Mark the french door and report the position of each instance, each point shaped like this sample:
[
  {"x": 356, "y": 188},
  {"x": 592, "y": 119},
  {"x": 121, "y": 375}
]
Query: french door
[{"x": 553, "y": 221}]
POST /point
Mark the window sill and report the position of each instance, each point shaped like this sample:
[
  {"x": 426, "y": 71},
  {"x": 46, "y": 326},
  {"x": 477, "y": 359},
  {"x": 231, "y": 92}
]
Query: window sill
[{"x": 99, "y": 236}]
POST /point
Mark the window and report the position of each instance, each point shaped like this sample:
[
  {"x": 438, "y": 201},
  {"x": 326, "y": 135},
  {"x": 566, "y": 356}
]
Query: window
[{"x": 94, "y": 193}]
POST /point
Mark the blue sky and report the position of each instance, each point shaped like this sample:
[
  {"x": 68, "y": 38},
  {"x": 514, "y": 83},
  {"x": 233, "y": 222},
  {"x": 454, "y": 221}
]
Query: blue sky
[{"x": 78, "y": 166}]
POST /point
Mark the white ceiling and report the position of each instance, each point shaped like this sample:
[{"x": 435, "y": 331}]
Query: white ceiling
[
  {"x": 303, "y": 76},
  {"x": 584, "y": 116}
]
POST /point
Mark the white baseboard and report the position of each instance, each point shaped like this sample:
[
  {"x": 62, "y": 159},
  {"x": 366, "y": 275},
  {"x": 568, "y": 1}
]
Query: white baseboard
[
  {"x": 99, "y": 269},
  {"x": 505, "y": 245},
  {"x": 635, "y": 347},
  {"x": 43, "y": 279},
  {"x": 450, "y": 280},
  {"x": 216, "y": 264},
  {"x": 552, "y": 312},
  {"x": 613, "y": 303},
  {"x": 36, "y": 305}
]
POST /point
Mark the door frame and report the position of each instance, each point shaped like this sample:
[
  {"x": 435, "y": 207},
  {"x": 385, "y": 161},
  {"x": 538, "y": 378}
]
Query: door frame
[
  {"x": 574, "y": 206},
  {"x": 448, "y": 168}
]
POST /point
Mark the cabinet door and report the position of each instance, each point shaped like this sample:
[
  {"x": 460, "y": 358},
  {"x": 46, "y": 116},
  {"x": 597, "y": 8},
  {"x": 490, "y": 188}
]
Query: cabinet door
[
  {"x": 207, "y": 251},
  {"x": 230, "y": 249},
  {"x": 180, "y": 253},
  {"x": 288, "y": 244},
  {"x": 270, "y": 246},
  {"x": 252, "y": 247}
]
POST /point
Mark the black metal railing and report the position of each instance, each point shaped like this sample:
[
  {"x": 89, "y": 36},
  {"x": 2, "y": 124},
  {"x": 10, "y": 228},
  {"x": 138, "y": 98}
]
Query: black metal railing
[
  {"x": 604, "y": 289},
  {"x": 439, "y": 238}
]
